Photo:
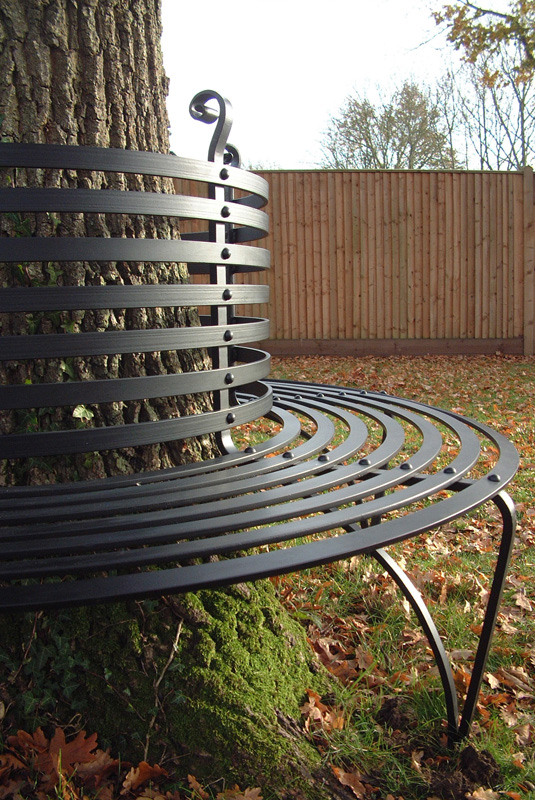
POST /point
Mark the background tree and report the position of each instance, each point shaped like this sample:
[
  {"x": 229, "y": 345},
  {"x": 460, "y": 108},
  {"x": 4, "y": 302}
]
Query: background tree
[
  {"x": 406, "y": 131},
  {"x": 479, "y": 31},
  {"x": 212, "y": 682},
  {"x": 496, "y": 86}
]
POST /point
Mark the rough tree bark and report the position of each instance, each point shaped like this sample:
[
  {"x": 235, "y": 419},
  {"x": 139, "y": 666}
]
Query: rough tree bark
[{"x": 211, "y": 682}]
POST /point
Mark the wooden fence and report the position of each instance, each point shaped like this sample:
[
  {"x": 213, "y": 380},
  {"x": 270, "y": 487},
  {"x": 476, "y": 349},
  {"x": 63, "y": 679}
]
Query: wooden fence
[{"x": 369, "y": 262}]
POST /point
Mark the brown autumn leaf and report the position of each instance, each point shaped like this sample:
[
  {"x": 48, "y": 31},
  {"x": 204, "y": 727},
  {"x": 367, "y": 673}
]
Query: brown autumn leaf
[
  {"x": 11, "y": 790},
  {"x": 9, "y": 762},
  {"x": 522, "y": 601},
  {"x": 94, "y": 772},
  {"x": 36, "y": 748},
  {"x": 65, "y": 755},
  {"x": 352, "y": 780},
  {"x": 319, "y": 715},
  {"x": 198, "y": 791},
  {"x": 141, "y": 774},
  {"x": 483, "y": 794}
]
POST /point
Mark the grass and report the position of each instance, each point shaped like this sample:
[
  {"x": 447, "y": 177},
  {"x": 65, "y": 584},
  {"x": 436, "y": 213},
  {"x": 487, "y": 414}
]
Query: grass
[{"x": 366, "y": 635}]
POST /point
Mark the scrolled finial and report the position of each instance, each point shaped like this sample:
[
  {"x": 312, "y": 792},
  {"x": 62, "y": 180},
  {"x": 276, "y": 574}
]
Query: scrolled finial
[
  {"x": 200, "y": 111},
  {"x": 232, "y": 157}
]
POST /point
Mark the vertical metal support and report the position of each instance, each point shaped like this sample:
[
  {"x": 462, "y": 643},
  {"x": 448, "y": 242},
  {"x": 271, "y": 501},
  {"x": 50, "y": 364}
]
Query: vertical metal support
[{"x": 220, "y": 232}]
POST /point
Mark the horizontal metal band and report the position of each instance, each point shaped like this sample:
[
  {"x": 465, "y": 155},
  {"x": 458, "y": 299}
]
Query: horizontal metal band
[
  {"x": 55, "y": 156},
  {"x": 71, "y": 393},
  {"x": 70, "y": 298},
  {"x": 112, "y": 201},
  {"x": 141, "y": 341},
  {"x": 54, "y": 248},
  {"x": 47, "y": 443}
]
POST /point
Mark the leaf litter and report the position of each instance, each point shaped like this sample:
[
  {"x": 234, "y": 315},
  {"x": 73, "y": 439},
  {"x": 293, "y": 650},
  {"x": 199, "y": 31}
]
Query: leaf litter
[{"x": 501, "y": 391}]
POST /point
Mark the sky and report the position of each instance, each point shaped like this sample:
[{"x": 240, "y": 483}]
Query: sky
[{"x": 287, "y": 66}]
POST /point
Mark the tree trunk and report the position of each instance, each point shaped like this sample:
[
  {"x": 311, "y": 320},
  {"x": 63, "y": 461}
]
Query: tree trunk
[
  {"x": 91, "y": 73},
  {"x": 211, "y": 683}
]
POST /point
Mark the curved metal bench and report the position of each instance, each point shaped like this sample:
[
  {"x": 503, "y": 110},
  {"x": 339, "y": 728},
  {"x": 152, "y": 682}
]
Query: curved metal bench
[{"x": 344, "y": 471}]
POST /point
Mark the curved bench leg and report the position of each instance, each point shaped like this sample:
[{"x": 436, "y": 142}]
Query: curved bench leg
[
  {"x": 506, "y": 507},
  {"x": 424, "y": 617},
  {"x": 457, "y": 731}
]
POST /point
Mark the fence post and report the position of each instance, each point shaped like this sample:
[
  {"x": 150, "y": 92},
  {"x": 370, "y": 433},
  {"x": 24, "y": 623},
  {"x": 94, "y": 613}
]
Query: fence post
[{"x": 529, "y": 263}]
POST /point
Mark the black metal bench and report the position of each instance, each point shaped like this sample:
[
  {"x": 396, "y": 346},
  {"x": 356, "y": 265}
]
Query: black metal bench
[{"x": 333, "y": 480}]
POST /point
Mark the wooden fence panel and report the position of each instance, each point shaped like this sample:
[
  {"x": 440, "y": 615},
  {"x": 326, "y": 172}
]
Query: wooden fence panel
[{"x": 399, "y": 261}]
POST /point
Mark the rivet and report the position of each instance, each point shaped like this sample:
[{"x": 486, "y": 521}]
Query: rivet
[
  {"x": 406, "y": 465},
  {"x": 231, "y": 418},
  {"x": 288, "y": 454},
  {"x": 225, "y": 253},
  {"x": 249, "y": 450},
  {"x": 342, "y": 394},
  {"x": 323, "y": 457},
  {"x": 365, "y": 462},
  {"x": 494, "y": 477},
  {"x": 225, "y": 211},
  {"x": 229, "y": 378},
  {"x": 321, "y": 395},
  {"x": 224, "y": 174},
  {"x": 227, "y": 294},
  {"x": 450, "y": 471},
  {"x": 382, "y": 392},
  {"x": 298, "y": 397},
  {"x": 228, "y": 335}
]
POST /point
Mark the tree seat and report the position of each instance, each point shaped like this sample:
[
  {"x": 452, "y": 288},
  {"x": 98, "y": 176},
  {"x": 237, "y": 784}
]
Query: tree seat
[{"x": 333, "y": 472}]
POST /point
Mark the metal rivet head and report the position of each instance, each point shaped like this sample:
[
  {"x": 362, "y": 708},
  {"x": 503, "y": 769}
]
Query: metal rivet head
[
  {"x": 229, "y": 378},
  {"x": 225, "y": 253},
  {"x": 225, "y": 212},
  {"x": 342, "y": 394},
  {"x": 365, "y": 462},
  {"x": 228, "y": 336},
  {"x": 224, "y": 174},
  {"x": 450, "y": 471},
  {"x": 321, "y": 394},
  {"x": 495, "y": 478},
  {"x": 323, "y": 457},
  {"x": 249, "y": 450},
  {"x": 382, "y": 392},
  {"x": 298, "y": 397},
  {"x": 231, "y": 418},
  {"x": 227, "y": 294},
  {"x": 288, "y": 454},
  {"x": 406, "y": 465}
]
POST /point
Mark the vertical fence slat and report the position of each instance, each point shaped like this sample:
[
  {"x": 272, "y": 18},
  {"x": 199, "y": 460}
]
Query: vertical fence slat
[{"x": 379, "y": 255}]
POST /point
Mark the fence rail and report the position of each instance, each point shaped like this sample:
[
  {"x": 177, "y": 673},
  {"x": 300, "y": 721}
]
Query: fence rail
[{"x": 401, "y": 262}]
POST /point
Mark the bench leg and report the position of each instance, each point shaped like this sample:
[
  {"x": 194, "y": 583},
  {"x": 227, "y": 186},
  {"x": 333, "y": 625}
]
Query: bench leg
[
  {"x": 507, "y": 509},
  {"x": 457, "y": 731},
  {"x": 424, "y": 617}
]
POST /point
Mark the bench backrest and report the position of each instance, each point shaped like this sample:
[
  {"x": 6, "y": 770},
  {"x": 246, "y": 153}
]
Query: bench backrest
[{"x": 219, "y": 253}]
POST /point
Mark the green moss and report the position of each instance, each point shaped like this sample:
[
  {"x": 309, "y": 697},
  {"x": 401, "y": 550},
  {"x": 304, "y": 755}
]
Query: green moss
[{"x": 224, "y": 703}]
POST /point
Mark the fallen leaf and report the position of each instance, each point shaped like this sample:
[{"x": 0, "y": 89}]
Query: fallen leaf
[
  {"x": 65, "y": 755},
  {"x": 416, "y": 760},
  {"x": 141, "y": 774},
  {"x": 99, "y": 768},
  {"x": 484, "y": 794},
  {"x": 351, "y": 779},
  {"x": 197, "y": 788},
  {"x": 237, "y": 794}
]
